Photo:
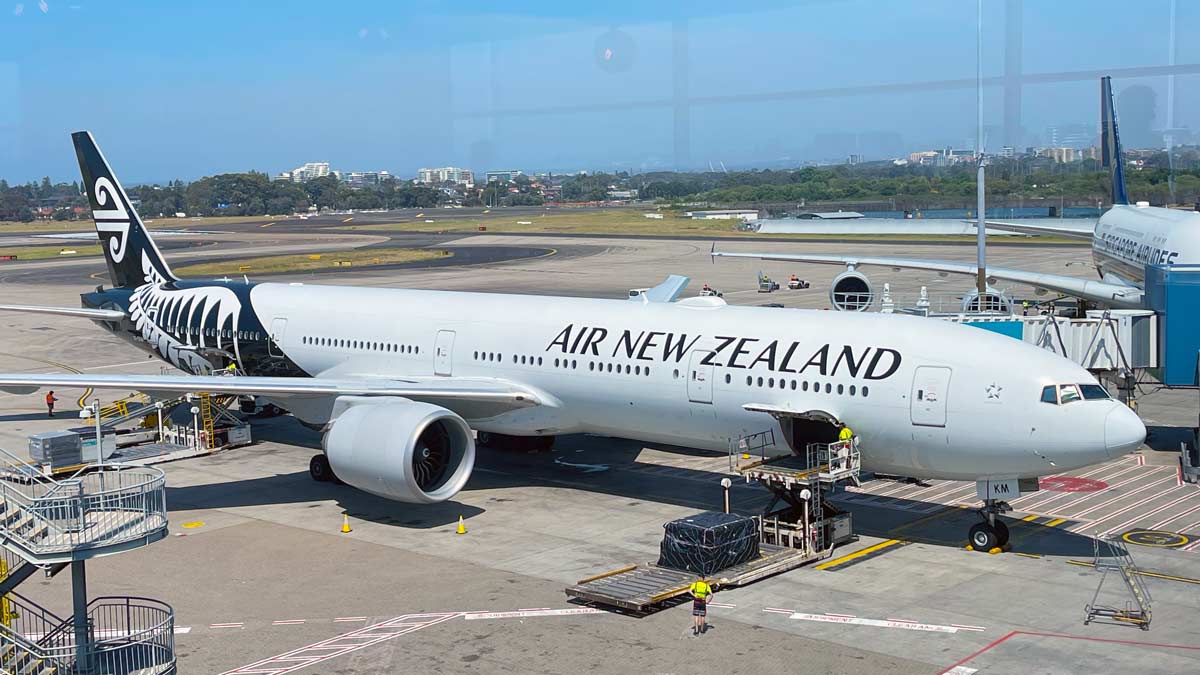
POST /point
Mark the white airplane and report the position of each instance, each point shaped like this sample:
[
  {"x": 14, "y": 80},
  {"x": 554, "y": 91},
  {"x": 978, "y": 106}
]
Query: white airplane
[
  {"x": 1124, "y": 240},
  {"x": 399, "y": 379}
]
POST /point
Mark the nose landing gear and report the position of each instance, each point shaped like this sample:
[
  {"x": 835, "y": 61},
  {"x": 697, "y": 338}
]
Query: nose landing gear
[{"x": 991, "y": 533}]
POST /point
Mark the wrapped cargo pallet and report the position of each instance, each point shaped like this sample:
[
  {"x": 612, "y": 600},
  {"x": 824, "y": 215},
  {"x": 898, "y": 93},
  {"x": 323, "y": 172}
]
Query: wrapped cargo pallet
[{"x": 708, "y": 542}]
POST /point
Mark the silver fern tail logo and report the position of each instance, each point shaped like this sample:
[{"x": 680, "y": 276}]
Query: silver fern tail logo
[
  {"x": 113, "y": 219},
  {"x": 180, "y": 323}
]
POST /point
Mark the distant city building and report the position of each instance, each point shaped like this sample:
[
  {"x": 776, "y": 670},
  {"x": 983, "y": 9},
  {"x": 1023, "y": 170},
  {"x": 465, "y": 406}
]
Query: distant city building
[
  {"x": 1076, "y": 136},
  {"x": 283, "y": 177},
  {"x": 1006, "y": 151},
  {"x": 622, "y": 194},
  {"x": 360, "y": 179},
  {"x": 310, "y": 171},
  {"x": 924, "y": 157},
  {"x": 503, "y": 176},
  {"x": 854, "y": 159},
  {"x": 1060, "y": 155},
  {"x": 447, "y": 174}
]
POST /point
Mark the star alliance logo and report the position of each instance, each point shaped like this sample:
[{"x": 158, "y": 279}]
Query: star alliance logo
[{"x": 993, "y": 392}]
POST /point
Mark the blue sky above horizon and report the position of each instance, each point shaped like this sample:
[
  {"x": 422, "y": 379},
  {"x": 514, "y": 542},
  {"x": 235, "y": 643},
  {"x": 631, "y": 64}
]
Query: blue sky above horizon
[{"x": 185, "y": 89}]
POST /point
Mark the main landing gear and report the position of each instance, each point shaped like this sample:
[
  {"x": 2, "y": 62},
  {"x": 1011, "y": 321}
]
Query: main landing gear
[
  {"x": 320, "y": 471},
  {"x": 991, "y": 533},
  {"x": 495, "y": 441}
]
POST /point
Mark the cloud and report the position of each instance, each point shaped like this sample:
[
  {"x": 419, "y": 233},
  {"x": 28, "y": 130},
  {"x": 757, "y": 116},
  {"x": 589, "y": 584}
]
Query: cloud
[
  {"x": 19, "y": 9},
  {"x": 362, "y": 33}
]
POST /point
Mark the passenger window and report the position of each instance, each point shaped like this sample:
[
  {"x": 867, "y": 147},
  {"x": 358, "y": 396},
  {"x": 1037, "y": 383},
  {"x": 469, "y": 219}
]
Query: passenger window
[
  {"x": 1093, "y": 392},
  {"x": 1068, "y": 393},
  {"x": 1050, "y": 395}
]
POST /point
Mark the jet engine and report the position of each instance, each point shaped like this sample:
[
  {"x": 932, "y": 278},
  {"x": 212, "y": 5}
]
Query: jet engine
[
  {"x": 994, "y": 301},
  {"x": 851, "y": 291},
  {"x": 402, "y": 450}
]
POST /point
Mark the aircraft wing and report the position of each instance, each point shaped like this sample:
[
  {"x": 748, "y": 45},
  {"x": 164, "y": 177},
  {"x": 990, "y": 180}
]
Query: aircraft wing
[
  {"x": 81, "y": 312},
  {"x": 459, "y": 394},
  {"x": 1116, "y": 295},
  {"x": 1071, "y": 228}
]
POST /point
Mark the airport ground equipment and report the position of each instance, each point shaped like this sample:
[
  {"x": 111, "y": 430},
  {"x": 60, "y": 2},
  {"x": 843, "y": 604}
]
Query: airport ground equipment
[
  {"x": 1111, "y": 556},
  {"x": 1189, "y": 461},
  {"x": 800, "y": 480},
  {"x": 642, "y": 587},
  {"x": 48, "y": 525},
  {"x": 807, "y": 527},
  {"x": 766, "y": 284},
  {"x": 796, "y": 283}
]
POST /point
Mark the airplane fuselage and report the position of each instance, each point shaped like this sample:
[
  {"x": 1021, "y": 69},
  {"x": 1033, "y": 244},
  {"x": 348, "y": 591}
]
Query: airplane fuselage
[
  {"x": 927, "y": 398},
  {"x": 1127, "y": 238}
]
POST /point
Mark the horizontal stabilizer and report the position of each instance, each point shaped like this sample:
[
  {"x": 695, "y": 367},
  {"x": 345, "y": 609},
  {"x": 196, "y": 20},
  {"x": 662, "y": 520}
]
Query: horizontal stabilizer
[{"x": 83, "y": 313}]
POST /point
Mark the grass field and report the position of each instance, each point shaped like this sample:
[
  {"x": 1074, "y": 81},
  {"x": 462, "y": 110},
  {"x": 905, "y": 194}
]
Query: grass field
[
  {"x": 631, "y": 222},
  {"x": 44, "y": 252},
  {"x": 306, "y": 263},
  {"x": 154, "y": 224}
]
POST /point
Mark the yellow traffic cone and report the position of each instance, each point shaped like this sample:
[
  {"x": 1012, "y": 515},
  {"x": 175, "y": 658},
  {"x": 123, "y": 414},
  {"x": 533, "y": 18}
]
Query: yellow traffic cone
[
  {"x": 462, "y": 528},
  {"x": 345, "y": 523}
]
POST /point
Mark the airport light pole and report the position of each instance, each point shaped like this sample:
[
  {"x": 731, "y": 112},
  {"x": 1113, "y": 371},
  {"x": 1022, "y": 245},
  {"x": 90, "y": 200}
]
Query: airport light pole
[{"x": 980, "y": 205}]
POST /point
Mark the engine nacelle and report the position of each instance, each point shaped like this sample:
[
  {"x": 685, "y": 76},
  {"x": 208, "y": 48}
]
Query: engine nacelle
[
  {"x": 851, "y": 291},
  {"x": 403, "y": 450},
  {"x": 993, "y": 302}
]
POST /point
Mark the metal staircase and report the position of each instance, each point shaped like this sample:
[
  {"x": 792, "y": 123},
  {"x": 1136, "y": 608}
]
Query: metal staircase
[
  {"x": 48, "y": 525},
  {"x": 206, "y": 420},
  {"x": 1112, "y": 556}
]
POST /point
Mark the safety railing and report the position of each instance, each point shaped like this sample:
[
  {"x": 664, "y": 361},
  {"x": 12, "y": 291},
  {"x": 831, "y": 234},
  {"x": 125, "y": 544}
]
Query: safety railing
[
  {"x": 45, "y": 519},
  {"x": 124, "y": 635}
]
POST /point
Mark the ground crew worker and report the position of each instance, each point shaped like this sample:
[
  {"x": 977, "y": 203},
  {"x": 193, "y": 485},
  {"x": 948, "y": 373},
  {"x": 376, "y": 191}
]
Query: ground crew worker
[
  {"x": 1024, "y": 308},
  {"x": 845, "y": 434},
  {"x": 50, "y": 402},
  {"x": 701, "y": 594}
]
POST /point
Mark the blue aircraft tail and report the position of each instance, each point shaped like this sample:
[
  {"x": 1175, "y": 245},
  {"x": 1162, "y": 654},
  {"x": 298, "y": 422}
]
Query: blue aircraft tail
[{"x": 1110, "y": 143}]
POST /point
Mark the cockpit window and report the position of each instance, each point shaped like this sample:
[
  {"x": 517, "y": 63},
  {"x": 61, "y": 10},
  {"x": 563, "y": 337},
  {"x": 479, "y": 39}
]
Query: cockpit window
[
  {"x": 1068, "y": 393},
  {"x": 1050, "y": 394},
  {"x": 1093, "y": 392}
]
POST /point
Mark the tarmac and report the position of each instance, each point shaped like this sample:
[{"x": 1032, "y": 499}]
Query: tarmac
[{"x": 257, "y": 567}]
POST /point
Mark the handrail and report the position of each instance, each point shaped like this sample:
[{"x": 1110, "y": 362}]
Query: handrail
[
  {"x": 98, "y": 508},
  {"x": 128, "y": 634}
]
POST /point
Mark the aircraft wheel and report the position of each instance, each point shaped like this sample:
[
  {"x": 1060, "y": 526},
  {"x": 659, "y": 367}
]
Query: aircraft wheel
[
  {"x": 983, "y": 537},
  {"x": 319, "y": 469},
  {"x": 1001, "y": 533}
]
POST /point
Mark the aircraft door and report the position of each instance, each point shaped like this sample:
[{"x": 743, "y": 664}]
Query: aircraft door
[
  {"x": 443, "y": 352},
  {"x": 274, "y": 344},
  {"x": 930, "y": 389},
  {"x": 699, "y": 376}
]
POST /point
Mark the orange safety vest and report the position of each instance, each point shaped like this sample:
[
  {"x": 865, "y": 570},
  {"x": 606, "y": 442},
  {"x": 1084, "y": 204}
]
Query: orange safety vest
[{"x": 50, "y": 399}]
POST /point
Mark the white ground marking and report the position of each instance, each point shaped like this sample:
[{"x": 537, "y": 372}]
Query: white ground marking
[
  {"x": 532, "y": 612},
  {"x": 883, "y": 623}
]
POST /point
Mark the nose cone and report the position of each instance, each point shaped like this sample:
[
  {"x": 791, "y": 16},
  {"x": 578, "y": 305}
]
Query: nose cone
[{"x": 1123, "y": 431}]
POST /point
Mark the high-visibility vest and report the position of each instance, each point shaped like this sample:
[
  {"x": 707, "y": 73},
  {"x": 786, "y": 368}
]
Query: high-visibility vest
[
  {"x": 845, "y": 434},
  {"x": 701, "y": 589},
  {"x": 49, "y": 398}
]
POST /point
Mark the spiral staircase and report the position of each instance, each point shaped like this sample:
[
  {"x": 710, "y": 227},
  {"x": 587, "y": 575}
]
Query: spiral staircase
[{"x": 48, "y": 526}]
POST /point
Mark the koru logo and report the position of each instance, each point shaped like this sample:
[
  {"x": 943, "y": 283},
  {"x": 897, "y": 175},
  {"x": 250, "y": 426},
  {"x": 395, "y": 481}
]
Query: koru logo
[
  {"x": 993, "y": 392},
  {"x": 113, "y": 220}
]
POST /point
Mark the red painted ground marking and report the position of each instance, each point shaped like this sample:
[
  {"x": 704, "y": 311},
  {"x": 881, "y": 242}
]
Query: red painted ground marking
[
  {"x": 1071, "y": 484},
  {"x": 997, "y": 642}
]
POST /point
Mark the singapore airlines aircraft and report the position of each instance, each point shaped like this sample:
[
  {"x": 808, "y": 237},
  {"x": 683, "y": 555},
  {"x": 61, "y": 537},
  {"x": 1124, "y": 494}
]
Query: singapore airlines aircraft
[
  {"x": 399, "y": 379},
  {"x": 1124, "y": 240}
]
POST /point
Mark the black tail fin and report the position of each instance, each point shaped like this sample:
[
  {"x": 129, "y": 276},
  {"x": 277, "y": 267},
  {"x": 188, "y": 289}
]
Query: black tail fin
[
  {"x": 1111, "y": 155},
  {"x": 133, "y": 259}
]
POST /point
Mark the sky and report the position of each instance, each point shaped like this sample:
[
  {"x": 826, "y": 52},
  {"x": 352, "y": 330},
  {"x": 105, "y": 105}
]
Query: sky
[{"x": 179, "y": 90}]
